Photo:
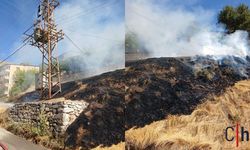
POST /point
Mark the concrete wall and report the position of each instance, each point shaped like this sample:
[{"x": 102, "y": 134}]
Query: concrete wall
[{"x": 59, "y": 114}]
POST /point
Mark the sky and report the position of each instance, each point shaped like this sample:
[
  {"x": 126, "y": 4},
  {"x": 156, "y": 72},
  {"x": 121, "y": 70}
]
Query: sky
[
  {"x": 18, "y": 15},
  {"x": 96, "y": 26},
  {"x": 174, "y": 28},
  {"x": 212, "y": 5}
]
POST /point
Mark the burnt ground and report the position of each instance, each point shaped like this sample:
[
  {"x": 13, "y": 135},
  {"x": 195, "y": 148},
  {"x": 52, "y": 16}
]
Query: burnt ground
[
  {"x": 103, "y": 121},
  {"x": 158, "y": 87},
  {"x": 153, "y": 88}
]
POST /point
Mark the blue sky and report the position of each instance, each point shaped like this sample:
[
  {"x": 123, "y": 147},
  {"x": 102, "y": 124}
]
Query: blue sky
[
  {"x": 207, "y": 4},
  {"x": 213, "y": 5},
  {"x": 175, "y": 28},
  {"x": 17, "y": 15}
]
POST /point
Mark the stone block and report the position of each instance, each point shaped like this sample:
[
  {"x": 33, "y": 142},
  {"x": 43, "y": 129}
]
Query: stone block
[{"x": 60, "y": 114}]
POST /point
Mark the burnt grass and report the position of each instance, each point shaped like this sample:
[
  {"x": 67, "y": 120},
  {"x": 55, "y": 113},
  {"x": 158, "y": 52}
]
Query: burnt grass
[
  {"x": 153, "y": 89},
  {"x": 158, "y": 87},
  {"x": 102, "y": 123}
]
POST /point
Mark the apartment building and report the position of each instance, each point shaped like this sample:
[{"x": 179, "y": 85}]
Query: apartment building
[{"x": 7, "y": 73}]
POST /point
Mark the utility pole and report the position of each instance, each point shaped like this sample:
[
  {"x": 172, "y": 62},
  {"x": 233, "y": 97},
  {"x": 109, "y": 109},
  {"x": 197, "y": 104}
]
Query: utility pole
[{"x": 46, "y": 37}]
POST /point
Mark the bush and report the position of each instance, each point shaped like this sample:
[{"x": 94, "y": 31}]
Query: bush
[
  {"x": 131, "y": 42},
  {"x": 2, "y": 91},
  {"x": 204, "y": 73},
  {"x": 37, "y": 133},
  {"x": 22, "y": 81},
  {"x": 42, "y": 128}
]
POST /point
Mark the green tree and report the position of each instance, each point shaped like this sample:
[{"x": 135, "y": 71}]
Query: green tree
[
  {"x": 235, "y": 18},
  {"x": 2, "y": 91},
  {"x": 73, "y": 64},
  {"x": 131, "y": 42},
  {"x": 22, "y": 81}
]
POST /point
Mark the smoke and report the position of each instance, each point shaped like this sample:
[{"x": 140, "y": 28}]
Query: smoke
[
  {"x": 95, "y": 26},
  {"x": 172, "y": 30},
  {"x": 23, "y": 82},
  {"x": 98, "y": 32}
]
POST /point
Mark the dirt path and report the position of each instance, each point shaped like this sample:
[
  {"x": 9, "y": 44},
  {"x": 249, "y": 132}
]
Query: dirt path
[{"x": 13, "y": 142}]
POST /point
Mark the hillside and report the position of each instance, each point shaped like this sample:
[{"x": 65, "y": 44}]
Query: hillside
[
  {"x": 154, "y": 89},
  {"x": 102, "y": 123},
  {"x": 158, "y": 87},
  {"x": 202, "y": 129}
]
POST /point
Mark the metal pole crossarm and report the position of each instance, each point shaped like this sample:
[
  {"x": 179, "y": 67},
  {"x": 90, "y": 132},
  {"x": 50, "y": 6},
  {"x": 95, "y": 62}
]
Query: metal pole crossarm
[{"x": 45, "y": 37}]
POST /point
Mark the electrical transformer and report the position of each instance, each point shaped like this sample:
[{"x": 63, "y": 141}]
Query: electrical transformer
[{"x": 40, "y": 36}]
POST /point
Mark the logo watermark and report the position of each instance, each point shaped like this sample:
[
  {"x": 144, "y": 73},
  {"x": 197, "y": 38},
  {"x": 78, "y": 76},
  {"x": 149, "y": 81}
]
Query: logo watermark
[{"x": 239, "y": 134}]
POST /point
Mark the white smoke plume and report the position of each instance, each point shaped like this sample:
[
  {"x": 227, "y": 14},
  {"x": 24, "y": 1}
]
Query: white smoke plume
[
  {"x": 173, "y": 31},
  {"x": 95, "y": 26}
]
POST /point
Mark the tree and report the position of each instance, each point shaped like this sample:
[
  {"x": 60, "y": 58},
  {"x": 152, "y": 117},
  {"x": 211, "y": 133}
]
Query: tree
[
  {"x": 2, "y": 91},
  {"x": 237, "y": 18},
  {"x": 131, "y": 42},
  {"x": 22, "y": 81},
  {"x": 74, "y": 64}
]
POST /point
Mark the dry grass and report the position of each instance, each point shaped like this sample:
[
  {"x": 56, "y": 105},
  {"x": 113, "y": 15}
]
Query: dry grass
[
  {"x": 30, "y": 132},
  {"x": 4, "y": 121},
  {"x": 2, "y": 110},
  {"x": 120, "y": 146},
  {"x": 203, "y": 129}
]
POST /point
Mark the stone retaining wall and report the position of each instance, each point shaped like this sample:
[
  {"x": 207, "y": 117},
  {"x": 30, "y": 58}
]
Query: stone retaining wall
[{"x": 59, "y": 114}]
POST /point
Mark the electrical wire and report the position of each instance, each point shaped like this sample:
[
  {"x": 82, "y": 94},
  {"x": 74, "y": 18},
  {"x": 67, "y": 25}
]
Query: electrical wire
[
  {"x": 144, "y": 17},
  {"x": 75, "y": 44},
  {"x": 71, "y": 19},
  {"x": 63, "y": 19},
  {"x": 83, "y": 13},
  {"x": 94, "y": 36},
  {"x": 17, "y": 50}
]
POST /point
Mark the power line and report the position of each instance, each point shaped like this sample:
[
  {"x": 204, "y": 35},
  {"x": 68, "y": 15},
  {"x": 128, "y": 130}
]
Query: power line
[
  {"x": 30, "y": 28},
  {"x": 25, "y": 43},
  {"x": 63, "y": 17},
  {"x": 145, "y": 17},
  {"x": 18, "y": 49},
  {"x": 75, "y": 44},
  {"x": 95, "y": 36},
  {"x": 85, "y": 12},
  {"x": 70, "y": 19}
]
